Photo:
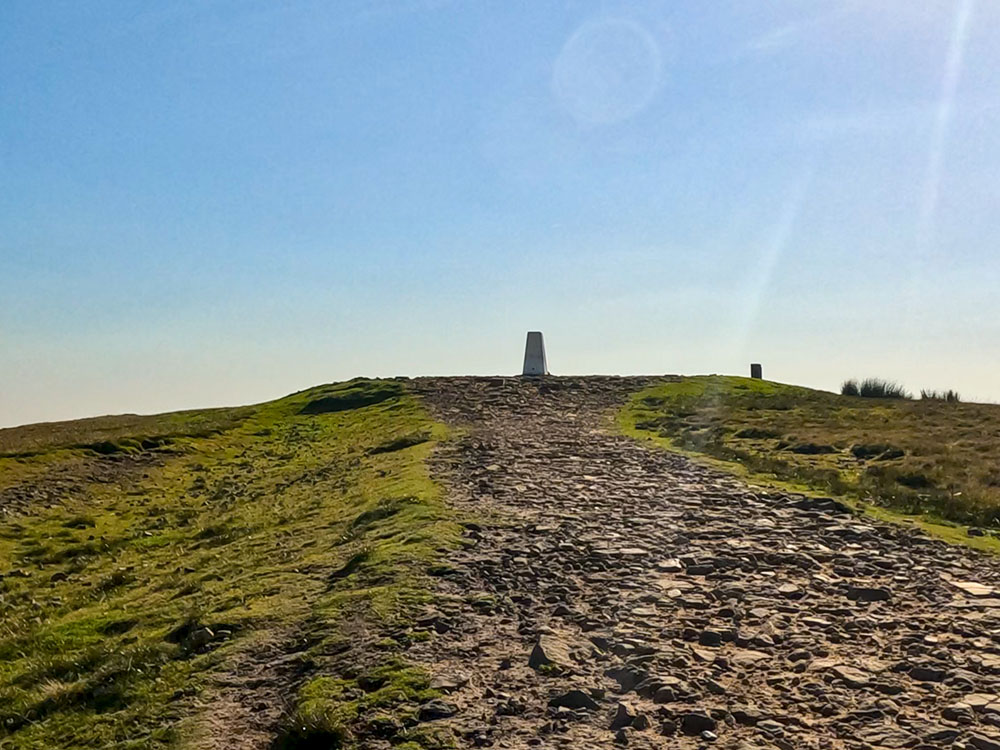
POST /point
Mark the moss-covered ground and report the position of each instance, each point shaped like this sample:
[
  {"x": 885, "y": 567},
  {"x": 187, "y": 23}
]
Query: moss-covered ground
[
  {"x": 146, "y": 553},
  {"x": 932, "y": 463}
]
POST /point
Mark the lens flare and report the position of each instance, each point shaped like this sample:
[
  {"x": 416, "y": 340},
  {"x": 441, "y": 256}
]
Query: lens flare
[{"x": 608, "y": 71}]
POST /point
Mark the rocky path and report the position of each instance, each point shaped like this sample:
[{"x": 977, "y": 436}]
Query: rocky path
[{"x": 616, "y": 594}]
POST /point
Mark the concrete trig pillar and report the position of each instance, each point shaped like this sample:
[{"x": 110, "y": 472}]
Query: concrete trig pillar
[
  {"x": 756, "y": 372},
  {"x": 534, "y": 355}
]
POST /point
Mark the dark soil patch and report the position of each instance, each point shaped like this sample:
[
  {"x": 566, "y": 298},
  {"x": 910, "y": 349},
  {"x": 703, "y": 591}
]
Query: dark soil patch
[{"x": 355, "y": 397}]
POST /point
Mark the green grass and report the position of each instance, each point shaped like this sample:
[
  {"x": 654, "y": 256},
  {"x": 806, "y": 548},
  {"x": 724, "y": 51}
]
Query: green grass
[
  {"x": 200, "y": 534},
  {"x": 930, "y": 460}
]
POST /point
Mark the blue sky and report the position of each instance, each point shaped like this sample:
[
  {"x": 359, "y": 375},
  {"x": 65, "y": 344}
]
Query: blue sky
[{"x": 222, "y": 202}]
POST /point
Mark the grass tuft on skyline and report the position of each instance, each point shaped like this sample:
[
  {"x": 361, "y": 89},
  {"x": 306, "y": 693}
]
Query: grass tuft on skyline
[
  {"x": 949, "y": 395},
  {"x": 874, "y": 388}
]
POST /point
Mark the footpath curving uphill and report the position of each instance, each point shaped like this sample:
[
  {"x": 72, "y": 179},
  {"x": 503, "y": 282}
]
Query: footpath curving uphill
[{"x": 614, "y": 594}]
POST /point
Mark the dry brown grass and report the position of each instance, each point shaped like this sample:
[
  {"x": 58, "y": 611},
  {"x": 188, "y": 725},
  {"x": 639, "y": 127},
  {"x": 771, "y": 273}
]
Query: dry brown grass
[{"x": 926, "y": 456}]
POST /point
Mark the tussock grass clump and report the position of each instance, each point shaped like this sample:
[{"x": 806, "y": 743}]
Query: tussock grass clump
[
  {"x": 950, "y": 396},
  {"x": 873, "y": 388},
  {"x": 878, "y": 388}
]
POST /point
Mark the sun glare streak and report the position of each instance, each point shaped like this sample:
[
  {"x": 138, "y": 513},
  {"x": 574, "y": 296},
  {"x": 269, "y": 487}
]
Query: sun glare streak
[
  {"x": 773, "y": 251},
  {"x": 916, "y": 293},
  {"x": 942, "y": 127}
]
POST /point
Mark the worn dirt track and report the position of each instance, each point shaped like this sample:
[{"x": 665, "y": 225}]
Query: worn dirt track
[{"x": 665, "y": 605}]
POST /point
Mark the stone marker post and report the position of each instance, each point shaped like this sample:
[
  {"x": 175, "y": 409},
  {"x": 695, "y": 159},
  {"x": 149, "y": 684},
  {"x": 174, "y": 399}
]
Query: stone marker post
[
  {"x": 534, "y": 355},
  {"x": 756, "y": 372}
]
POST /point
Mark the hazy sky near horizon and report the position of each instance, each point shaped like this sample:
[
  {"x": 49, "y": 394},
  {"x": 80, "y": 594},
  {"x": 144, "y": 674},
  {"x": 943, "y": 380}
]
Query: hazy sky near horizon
[{"x": 222, "y": 202}]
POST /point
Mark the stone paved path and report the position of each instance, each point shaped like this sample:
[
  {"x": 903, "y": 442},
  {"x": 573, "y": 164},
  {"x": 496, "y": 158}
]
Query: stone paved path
[{"x": 614, "y": 593}]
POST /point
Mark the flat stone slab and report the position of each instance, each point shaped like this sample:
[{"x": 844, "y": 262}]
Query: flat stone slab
[
  {"x": 973, "y": 589},
  {"x": 974, "y": 604}
]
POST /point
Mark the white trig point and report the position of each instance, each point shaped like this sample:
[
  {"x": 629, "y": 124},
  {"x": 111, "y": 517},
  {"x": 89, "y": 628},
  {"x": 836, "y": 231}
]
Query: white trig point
[{"x": 534, "y": 355}]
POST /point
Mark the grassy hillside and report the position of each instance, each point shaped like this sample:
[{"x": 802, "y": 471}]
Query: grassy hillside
[
  {"x": 148, "y": 563},
  {"x": 916, "y": 457}
]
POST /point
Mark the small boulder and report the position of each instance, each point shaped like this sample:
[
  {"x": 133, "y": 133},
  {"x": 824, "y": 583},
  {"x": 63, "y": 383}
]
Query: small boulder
[
  {"x": 923, "y": 673},
  {"x": 771, "y": 727},
  {"x": 573, "y": 699},
  {"x": 624, "y": 716},
  {"x": 436, "y": 709},
  {"x": 790, "y": 590},
  {"x": 960, "y": 713},
  {"x": 710, "y": 638},
  {"x": 866, "y": 594},
  {"x": 982, "y": 742},
  {"x": 693, "y": 723},
  {"x": 854, "y": 678},
  {"x": 549, "y": 651}
]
